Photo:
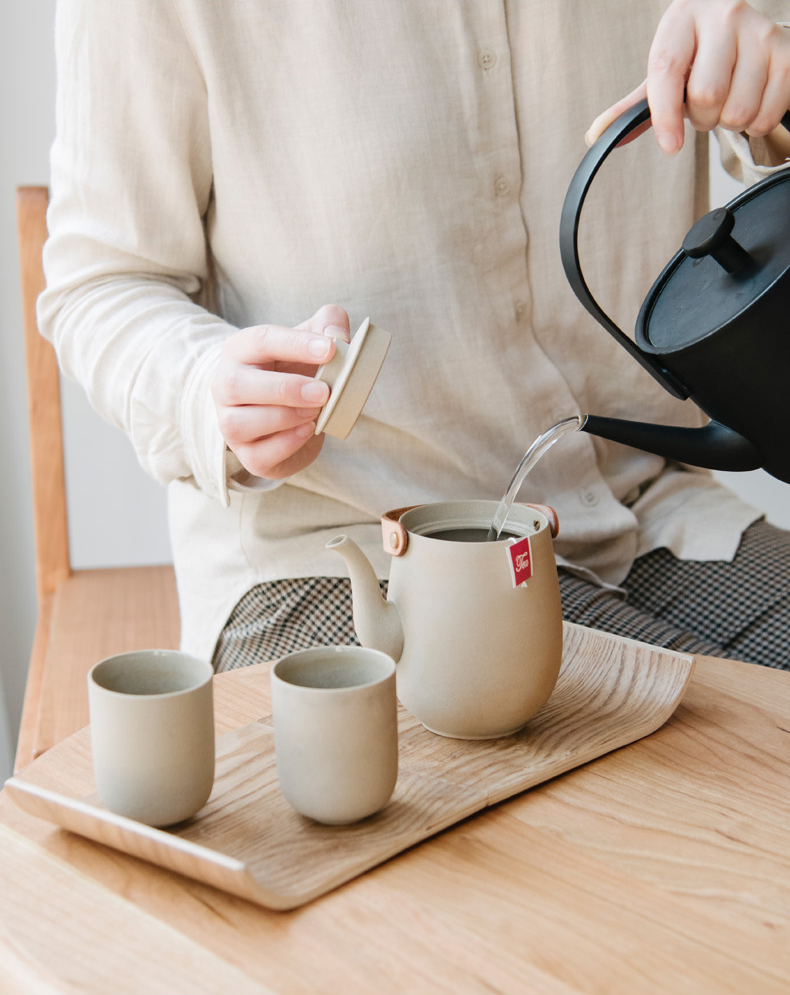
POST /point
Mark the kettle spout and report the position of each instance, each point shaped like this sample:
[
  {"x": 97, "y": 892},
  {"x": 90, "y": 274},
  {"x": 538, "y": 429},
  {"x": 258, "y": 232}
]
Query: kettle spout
[
  {"x": 713, "y": 446},
  {"x": 376, "y": 620}
]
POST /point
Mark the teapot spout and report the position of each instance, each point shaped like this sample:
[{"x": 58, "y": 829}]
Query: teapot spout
[
  {"x": 713, "y": 446},
  {"x": 376, "y": 620}
]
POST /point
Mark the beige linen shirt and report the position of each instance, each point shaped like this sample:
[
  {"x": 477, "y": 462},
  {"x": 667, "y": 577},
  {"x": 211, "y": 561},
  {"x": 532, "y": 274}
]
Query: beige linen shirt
[{"x": 224, "y": 164}]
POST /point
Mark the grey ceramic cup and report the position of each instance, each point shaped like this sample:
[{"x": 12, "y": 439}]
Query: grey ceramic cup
[
  {"x": 152, "y": 734},
  {"x": 336, "y": 731}
]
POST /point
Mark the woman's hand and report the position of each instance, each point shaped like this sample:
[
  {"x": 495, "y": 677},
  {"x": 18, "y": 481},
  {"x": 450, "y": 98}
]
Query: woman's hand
[
  {"x": 266, "y": 398},
  {"x": 731, "y": 64}
]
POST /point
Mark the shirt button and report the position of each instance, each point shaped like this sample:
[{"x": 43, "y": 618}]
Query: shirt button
[
  {"x": 486, "y": 59},
  {"x": 589, "y": 497},
  {"x": 501, "y": 186},
  {"x": 520, "y": 310}
]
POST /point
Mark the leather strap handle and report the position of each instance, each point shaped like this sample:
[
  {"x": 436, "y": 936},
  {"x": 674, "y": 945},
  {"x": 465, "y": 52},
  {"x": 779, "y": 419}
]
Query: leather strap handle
[
  {"x": 395, "y": 537},
  {"x": 551, "y": 514}
]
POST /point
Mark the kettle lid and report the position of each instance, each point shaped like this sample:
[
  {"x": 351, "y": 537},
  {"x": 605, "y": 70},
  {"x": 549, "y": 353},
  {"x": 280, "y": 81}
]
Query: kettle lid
[{"x": 730, "y": 258}]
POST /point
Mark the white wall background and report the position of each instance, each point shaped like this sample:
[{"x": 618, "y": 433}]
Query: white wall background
[{"x": 117, "y": 514}]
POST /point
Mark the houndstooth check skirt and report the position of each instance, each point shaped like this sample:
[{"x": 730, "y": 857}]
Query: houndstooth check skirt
[{"x": 739, "y": 610}]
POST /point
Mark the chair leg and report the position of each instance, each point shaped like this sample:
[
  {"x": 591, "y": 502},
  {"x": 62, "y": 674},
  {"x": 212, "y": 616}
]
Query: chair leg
[{"x": 26, "y": 751}]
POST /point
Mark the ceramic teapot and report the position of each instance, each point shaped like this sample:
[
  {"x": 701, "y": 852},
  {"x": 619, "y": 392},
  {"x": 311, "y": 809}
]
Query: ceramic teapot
[
  {"x": 475, "y": 627},
  {"x": 714, "y": 326}
]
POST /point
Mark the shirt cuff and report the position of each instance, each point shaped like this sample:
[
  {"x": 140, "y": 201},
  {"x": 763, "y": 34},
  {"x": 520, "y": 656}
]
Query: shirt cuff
[
  {"x": 746, "y": 160},
  {"x": 240, "y": 479},
  {"x": 204, "y": 444}
]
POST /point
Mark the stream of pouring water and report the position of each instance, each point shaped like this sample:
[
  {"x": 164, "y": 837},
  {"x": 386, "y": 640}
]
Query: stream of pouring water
[{"x": 540, "y": 446}]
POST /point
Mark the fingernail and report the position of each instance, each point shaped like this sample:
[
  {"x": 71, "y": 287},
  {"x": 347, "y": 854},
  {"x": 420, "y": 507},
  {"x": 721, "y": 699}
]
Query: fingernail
[
  {"x": 667, "y": 142},
  {"x": 596, "y": 129},
  {"x": 319, "y": 348},
  {"x": 335, "y": 332},
  {"x": 315, "y": 392},
  {"x": 302, "y": 431}
]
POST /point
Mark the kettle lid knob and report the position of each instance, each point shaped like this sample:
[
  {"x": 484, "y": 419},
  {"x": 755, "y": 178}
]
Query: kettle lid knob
[{"x": 711, "y": 236}]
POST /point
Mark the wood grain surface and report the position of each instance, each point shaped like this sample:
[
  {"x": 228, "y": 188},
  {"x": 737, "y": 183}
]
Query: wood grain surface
[
  {"x": 610, "y": 692},
  {"x": 662, "y": 868}
]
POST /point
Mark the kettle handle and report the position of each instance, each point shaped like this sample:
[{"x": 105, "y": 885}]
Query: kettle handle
[{"x": 628, "y": 121}]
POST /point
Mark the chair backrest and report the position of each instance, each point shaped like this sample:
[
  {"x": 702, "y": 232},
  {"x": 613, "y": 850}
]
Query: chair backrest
[{"x": 50, "y": 519}]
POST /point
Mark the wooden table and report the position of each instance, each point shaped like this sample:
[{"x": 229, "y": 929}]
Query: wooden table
[{"x": 661, "y": 867}]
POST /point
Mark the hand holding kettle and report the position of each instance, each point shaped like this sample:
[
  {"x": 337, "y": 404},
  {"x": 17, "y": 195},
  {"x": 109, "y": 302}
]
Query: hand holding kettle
[
  {"x": 713, "y": 327},
  {"x": 720, "y": 64}
]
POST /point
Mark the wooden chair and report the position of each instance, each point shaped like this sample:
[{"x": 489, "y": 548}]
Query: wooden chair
[{"x": 83, "y": 615}]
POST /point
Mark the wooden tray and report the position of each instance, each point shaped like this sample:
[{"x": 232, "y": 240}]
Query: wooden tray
[{"x": 248, "y": 841}]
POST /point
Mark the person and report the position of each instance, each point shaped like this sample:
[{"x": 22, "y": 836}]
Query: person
[{"x": 233, "y": 184}]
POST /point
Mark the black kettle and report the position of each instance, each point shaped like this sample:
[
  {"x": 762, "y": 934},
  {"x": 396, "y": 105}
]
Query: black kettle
[{"x": 715, "y": 326}]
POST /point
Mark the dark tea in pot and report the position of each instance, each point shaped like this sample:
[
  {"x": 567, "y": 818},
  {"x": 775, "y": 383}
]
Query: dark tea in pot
[{"x": 470, "y": 534}]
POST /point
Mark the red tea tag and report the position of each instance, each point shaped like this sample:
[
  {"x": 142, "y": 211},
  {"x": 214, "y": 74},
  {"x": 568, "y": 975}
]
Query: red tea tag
[{"x": 520, "y": 554}]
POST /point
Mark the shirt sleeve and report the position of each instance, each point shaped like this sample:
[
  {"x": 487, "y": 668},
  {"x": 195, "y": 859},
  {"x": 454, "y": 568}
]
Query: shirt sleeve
[
  {"x": 751, "y": 159},
  {"x": 748, "y": 160},
  {"x": 126, "y": 260}
]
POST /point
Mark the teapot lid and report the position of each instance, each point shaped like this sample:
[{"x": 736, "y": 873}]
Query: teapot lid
[{"x": 730, "y": 258}]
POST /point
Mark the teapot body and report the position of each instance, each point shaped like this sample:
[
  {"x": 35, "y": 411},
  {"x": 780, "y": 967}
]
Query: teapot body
[{"x": 481, "y": 652}]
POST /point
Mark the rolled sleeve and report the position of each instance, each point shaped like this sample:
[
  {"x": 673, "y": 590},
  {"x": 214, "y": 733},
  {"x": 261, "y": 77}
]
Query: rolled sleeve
[{"x": 126, "y": 260}]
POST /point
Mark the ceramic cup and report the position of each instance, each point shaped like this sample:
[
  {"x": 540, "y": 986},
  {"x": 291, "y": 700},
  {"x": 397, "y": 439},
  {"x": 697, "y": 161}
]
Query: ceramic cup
[
  {"x": 336, "y": 731},
  {"x": 152, "y": 734}
]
